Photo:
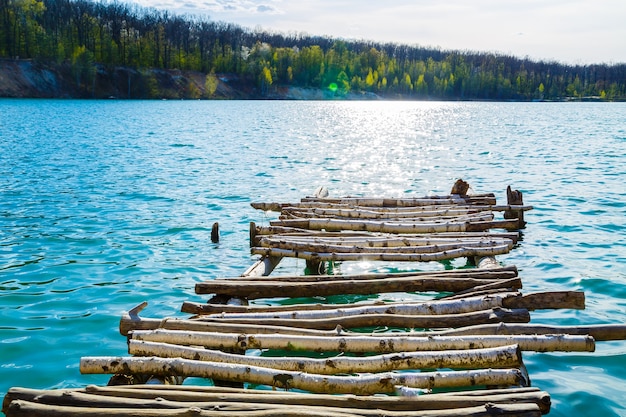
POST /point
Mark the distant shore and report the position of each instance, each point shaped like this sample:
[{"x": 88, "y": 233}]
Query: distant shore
[{"x": 33, "y": 79}]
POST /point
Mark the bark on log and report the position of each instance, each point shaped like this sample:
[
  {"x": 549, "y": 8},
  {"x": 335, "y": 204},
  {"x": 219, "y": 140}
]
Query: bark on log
[
  {"x": 396, "y": 227},
  {"x": 600, "y": 332},
  {"x": 413, "y": 212},
  {"x": 263, "y": 267},
  {"x": 130, "y": 322},
  {"x": 389, "y": 246},
  {"x": 537, "y": 301},
  {"x": 494, "y": 315},
  {"x": 362, "y": 384},
  {"x": 155, "y": 397},
  {"x": 375, "y": 241},
  {"x": 487, "y": 198},
  {"x": 359, "y": 343},
  {"x": 436, "y": 307},
  {"x": 498, "y": 357},
  {"x": 492, "y": 274},
  {"x": 385, "y": 256},
  {"x": 259, "y": 289},
  {"x": 21, "y": 408}
]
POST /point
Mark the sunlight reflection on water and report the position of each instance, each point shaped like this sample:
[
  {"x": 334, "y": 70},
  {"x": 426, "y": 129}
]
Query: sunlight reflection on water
[{"x": 101, "y": 213}]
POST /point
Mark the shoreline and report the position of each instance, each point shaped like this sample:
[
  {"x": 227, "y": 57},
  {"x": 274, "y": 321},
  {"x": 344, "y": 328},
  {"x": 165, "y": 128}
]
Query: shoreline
[{"x": 34, "y": 79}]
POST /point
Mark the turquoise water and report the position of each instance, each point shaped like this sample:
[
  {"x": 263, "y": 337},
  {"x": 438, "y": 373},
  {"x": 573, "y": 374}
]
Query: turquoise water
[{"x": 105, "y": 204}]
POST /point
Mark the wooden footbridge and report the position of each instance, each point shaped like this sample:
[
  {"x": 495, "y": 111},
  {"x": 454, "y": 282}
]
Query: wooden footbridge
[{"x": 428, "y": 343}]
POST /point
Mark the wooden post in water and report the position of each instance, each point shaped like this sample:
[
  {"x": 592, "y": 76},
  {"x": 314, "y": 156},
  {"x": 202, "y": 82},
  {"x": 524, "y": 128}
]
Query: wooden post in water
[{"x": 514, "y": 197}]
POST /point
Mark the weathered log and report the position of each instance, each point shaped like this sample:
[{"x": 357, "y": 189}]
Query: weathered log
[
  {"x": 208, "y": 397},
  {"x": 500, "y": 273},
  {"x": 414, "y": 212},
  {"x": 494, "y": 315},
  {"x": 396, "y": 227},
  {"x": 384, "y": 255},
  {"x": 407, "y": 308},
  {"x": 362, "y": 384},
  {"x": 382, "y": 247},
  {"x": 131, "y": 321},
  {"x": 288, "y": 241},
  {"x": 20, "y": 408},
  {"x": 263, "y": 267},
  {"x": 260, "y": 231},
  {"x": 600, "y": 332},
  {"x": 487, "y": 198},
  {"x": 547, "y": 300},
  {"x": 215, "y": 233},
  {"x": 515, "y": 197},
  {"x": 259, "y": 289},
  {"x": 498, "y": 357},
  {"x": 407, "y": 217},
  {"x": 538, "y": 301},
  {"x": 359, "y": 343}
]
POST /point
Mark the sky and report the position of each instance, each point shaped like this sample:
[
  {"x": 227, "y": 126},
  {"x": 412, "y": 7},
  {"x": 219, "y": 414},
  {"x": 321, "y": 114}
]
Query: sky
[{"x": 568, "y": 31}]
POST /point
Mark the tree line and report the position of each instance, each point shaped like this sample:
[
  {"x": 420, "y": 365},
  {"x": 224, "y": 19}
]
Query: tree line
[{"x": 88, "y": 34}]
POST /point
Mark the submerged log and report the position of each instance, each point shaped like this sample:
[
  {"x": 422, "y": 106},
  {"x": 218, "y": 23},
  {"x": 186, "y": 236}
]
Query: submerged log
[
  {"x": 497, "y": 357},
  {"x": 259, "y": 289},
  {"x": 362, "y": 384},
  {"x": 359, "y": 343}
]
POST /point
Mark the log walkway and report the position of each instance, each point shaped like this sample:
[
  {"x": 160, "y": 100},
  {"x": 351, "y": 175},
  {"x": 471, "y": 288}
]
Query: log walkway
[{"x": 451, "y": 344}]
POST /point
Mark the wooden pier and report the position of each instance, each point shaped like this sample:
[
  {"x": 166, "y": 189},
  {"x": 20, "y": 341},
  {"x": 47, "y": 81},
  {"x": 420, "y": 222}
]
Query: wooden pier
[{"x": 417, "y": 343}]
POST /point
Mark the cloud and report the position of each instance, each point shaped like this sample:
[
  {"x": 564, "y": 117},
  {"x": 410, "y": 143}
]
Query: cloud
[{"x": 264, "y": 8}]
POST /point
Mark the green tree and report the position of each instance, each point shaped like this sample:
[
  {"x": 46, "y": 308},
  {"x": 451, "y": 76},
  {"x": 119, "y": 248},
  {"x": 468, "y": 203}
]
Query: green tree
[{"x": 210, "y": 84}]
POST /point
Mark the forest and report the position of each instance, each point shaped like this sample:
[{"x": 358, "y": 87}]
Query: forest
[{"x": 92, "y": 38}]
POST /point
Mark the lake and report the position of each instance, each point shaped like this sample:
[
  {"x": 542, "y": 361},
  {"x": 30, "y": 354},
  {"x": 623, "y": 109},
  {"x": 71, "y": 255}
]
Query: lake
[{"x": 105, "y": 204}]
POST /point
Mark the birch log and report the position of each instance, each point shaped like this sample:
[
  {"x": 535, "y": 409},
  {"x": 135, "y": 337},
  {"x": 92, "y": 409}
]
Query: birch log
[
  {"x": 466, "y": 305},
  {"x": 384, "y": 256},
  {"x": 362, "y": 384},
  {"x": 307, "y": 242},
  {"x": 396, "y": 247},
  {"x": 600, "y": 332},
  {"x": 359, "y": 343},
  {"x": 491, "y": 274},
  {"x": 499, "y": 357},
  {"x": 494, "y": 315},
  {"x": 332, "y": 225},
  {"x": 129, "y": 323},
  {"x": 537, "y": 301}
]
